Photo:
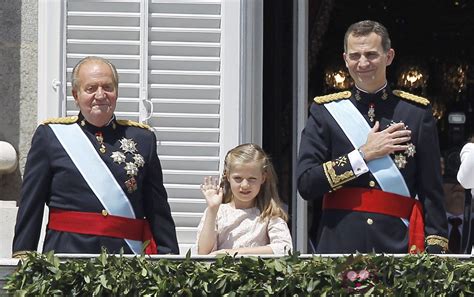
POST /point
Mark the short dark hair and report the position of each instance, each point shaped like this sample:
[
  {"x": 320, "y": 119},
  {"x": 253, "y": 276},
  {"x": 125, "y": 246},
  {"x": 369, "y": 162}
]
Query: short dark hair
[{"x": 364, "y": 28}]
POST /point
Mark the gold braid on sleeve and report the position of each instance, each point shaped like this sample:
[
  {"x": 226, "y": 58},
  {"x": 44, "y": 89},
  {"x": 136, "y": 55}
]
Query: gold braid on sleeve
[
  {"x": 437, "y": 240},
  {"x": 336, "y": 180}
]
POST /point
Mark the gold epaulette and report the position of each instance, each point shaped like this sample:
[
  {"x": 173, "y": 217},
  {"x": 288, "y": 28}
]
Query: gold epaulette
[
  {"x": 332, "y": 97},
  {"x": 133, "y": 124},
  {"x": 20, "y": 254},
  {"x": 64, "y": 120},
  {"x": 411, "y": 97}
]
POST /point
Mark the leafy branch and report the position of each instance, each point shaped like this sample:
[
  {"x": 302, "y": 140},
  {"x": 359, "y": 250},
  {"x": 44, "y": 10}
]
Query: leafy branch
[{"x": 116, "y": 275}]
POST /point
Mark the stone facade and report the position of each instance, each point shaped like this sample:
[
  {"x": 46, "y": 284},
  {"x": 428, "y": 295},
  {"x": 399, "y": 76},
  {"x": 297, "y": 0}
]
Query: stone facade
[
  {"x": 18, "y": 100},
  {"x": 18, "y": 84}
]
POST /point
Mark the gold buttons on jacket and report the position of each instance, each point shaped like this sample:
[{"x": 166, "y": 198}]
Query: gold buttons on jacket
[
  {"x": 370, "y": 221},
  {"x": 104, "y": 213},
  {"x": 372, "y": 184}
]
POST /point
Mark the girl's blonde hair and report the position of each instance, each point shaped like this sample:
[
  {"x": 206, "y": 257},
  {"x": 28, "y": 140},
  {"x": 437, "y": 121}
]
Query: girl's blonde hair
[{"x": 267, "y": 200}]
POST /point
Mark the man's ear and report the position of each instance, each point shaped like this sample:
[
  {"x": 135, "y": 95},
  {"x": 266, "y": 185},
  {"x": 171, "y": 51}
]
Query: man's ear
[
  {"x": 345, "y": 61},
  {"x": 74, "y": 94},
  {"x": 390, "y": 56}
]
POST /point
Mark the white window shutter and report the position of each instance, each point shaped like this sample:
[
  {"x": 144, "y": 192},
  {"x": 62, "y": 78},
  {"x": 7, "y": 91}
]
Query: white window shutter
[
  {"x": 110, "y": 29},
  {"x": 184, "y": 87},
  {"x": 168, "y": 55}
]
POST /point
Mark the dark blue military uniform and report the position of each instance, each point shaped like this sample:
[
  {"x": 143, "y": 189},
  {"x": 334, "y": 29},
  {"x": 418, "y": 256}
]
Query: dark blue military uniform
[
  {"x": 51, "y": 178},
  {"x": 470, "y": 243},
  {"x": 323, "y": 141}
]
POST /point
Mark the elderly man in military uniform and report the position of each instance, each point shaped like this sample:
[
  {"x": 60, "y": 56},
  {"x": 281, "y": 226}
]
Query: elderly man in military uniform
[
  {"x": 100, "y": 177},
  {"x": 372, "y": 155}
]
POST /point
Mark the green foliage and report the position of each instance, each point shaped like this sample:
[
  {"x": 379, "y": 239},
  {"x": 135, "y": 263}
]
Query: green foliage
[{"x": 361, "y": 275}]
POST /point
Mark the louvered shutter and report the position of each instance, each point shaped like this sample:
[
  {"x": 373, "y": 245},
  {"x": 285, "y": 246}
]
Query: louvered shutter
[
  {"x": 167, "y": 54},
  {"x": 184, "y": 88},
  {"x": 111, "y": 29}
]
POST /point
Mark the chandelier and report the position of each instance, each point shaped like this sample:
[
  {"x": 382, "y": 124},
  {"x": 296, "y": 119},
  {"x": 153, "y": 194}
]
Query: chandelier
[
  {"x": 413, "y": 77},
  {"x": 338, "y": 78},
  {"x": 455, "y": 77},
  {"x": 439, "y": 109}
]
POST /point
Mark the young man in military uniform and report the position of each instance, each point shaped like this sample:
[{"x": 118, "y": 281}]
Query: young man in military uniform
[
  {"x": 100, "y": 177},
  {"x": 372, "y": 155}
]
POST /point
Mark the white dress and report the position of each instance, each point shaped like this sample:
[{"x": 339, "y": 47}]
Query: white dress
[
  {"x": 238, "y": 228},
  {"x": 466, "y": 170}
]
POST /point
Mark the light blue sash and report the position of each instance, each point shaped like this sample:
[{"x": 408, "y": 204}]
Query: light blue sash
[
  {"x": 96, "y": 173},
  {"x": 356, "y": 129}
]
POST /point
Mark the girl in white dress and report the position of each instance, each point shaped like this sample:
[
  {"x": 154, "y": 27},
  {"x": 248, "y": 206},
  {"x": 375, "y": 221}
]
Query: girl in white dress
[{"x": 244, "y": 213}]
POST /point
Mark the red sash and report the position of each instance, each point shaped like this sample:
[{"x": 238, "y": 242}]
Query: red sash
[
  {"x": 377, "y": 201},
  {"x": 103, "y": 225}
]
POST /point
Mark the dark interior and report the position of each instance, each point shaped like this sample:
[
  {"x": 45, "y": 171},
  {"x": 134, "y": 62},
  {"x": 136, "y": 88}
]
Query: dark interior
[{"x": 432, "y": 37}]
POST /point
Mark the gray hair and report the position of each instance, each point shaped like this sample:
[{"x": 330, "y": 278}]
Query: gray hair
[{"x": 75, "y": 70}]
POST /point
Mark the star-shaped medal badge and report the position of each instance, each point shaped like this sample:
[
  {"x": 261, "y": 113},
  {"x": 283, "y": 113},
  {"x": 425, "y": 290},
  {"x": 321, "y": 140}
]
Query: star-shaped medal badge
[
  {"x": 131, "y": 169},
  {"x": 411, "y": 150},
  {"x": 118, "y": 157},
  {"x": 139, "y": 161},
  {"x": 128, "y": 145},
  {"x": 400, "y": 160}
]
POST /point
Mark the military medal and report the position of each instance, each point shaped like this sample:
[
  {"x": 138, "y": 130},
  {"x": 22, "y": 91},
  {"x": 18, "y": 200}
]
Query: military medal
[
  {"x": 100, "y": 140},
  {"x": 411, "y": 150},
  {"x": 131, "y": 169},
  {"x": 128, "y": 146},
  {"x": 118, "y": 157},
  {"x": 400, "y": 160},
  {"x": 371, "y": 112},
  {"x": 139, "y": 161},
  {"x": 131, "y": 184}
]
